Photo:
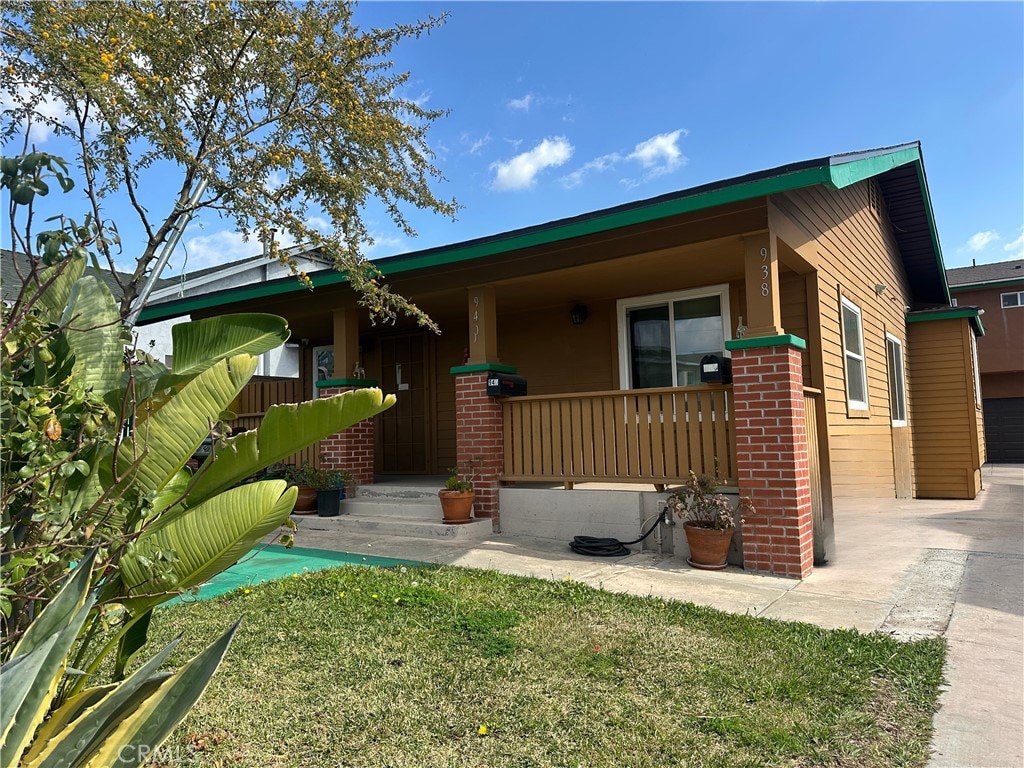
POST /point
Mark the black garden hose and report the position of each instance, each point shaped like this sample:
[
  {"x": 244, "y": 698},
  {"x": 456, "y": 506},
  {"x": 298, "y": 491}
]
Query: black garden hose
[{"x": 597, "y": 546}]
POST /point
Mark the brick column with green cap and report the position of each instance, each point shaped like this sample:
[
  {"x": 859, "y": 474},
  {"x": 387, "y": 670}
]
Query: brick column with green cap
[
  {"x": 771, "y": 454},
  {"x": 480, "y": 435},
  {"x": 352, "y": 449}
]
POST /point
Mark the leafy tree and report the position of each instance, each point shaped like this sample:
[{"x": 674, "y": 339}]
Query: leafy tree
[{"x": 286, "y": 110}]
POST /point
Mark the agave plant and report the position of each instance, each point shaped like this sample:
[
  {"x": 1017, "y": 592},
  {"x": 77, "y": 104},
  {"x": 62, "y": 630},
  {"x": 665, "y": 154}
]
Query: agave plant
[{"x": 121, "y": 724}]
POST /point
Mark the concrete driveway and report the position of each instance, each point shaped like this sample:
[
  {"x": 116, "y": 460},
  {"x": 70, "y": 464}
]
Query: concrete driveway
[{"x": 912, "y": 568}]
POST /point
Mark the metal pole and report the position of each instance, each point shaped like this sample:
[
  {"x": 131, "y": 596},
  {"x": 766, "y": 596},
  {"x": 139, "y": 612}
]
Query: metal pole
[{"x": 169, "y": 245}]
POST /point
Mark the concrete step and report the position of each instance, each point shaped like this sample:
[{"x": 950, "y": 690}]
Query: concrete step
[
  {"x": 385, "y": 507},
  {"x": 396, "y": 525},
  {"x": 382, "y": 491}
]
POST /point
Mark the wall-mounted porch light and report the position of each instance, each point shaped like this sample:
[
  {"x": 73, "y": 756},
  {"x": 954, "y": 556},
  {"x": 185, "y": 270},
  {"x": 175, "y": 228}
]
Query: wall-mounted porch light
[{"x": 578, "y": 314}]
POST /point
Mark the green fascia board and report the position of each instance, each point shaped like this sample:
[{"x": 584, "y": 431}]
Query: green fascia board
[
  {"x": 825, "y": 171},
  {"x": 805, "y": 177},
  {"x": 1009, "y": 282},
  {"x": 483, "y": 368},
  {"x": 843, "y": 174},
  {"x": 953, "y": 313},
  {"x": 929, "y": 213},
  {"x": 758, "y": 342},
  {"x": 323, "y": 383}
]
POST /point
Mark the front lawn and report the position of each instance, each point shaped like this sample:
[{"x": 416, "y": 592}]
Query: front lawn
[{"x": 437, "y": 667}]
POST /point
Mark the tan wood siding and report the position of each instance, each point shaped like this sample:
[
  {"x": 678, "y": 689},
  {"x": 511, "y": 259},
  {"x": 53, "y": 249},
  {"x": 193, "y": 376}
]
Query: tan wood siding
[
  {"x": 793, "y": 306},
  {"x": 946, "y": 433},
  {"x": 856, "y": 250}
]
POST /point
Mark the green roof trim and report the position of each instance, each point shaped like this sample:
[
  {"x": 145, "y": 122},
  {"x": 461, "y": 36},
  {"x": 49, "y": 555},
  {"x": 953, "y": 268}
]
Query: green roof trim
[
  {"x": 323, "y": 383},
  {"x": 951, "y": 313},
  {"x": 843, "y": 174},
  {"x": 757, "y": 342},
  {"x": 929, "y": 212},
  {"x": 482, "y": 368},
  {"x": 991, "y": 284},
  {"x": 834, "y": 171}
]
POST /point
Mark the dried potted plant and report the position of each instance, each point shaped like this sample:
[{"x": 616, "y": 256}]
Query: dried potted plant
[
  {"x": 457, "y": 496},
  {"x": 707, "y": 519}
]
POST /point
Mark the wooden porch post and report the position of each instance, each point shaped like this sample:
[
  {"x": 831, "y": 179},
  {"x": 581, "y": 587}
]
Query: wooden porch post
[
  {"x": 353, "y": 449},
  {"x": 761, "y": 274}
]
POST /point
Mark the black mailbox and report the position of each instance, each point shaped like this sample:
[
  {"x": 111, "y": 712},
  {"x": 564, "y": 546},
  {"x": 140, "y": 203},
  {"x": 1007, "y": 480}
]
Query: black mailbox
[
  {"x": 505, "y": 385},
  {"x": 715, "y": 370}
]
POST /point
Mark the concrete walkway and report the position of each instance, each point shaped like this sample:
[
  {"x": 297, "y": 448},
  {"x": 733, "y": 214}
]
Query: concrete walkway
[{"x": 912, "y": 568}]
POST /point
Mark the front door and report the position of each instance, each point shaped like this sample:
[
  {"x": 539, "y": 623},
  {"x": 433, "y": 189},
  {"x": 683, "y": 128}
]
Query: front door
[{"x": 404, "y": 428}]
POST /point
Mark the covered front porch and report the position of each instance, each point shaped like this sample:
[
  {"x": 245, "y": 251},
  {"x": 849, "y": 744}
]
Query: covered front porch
[{"x": 609, "y": 331}]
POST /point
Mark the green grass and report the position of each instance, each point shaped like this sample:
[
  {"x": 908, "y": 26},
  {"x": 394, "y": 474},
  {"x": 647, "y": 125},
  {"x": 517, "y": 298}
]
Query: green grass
[{"x": 401, "y": 667}]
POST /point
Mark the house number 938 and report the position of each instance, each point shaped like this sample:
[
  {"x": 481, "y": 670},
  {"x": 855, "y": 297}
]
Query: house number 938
[{"x": 765, "y": 290}]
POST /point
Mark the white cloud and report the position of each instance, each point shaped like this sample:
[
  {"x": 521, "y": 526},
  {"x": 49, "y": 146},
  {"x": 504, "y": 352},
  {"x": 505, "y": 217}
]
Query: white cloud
[
  {"x": 521, "y": 171},
  {"x": 54, "y": 109},
  {"x": 980, "y": 240},
  {"x": 475, "y": 145},
  {"x": 524, "y": 103},
  {"x": 660, "y": 154},
  {"x": 656, "y": 156},
  {"x": 216, "y": 248},
  {"x": 1016, "y": 248},
  {"x": 598, "y": 164}
]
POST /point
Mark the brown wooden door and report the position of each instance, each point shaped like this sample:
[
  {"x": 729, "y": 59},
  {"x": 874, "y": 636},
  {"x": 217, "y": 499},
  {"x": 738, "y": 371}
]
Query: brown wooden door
[{"x": 404, "y": 429}]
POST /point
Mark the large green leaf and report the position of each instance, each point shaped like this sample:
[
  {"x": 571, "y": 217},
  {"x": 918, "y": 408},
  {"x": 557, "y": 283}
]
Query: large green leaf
[
  {"x": 201, "y": 343},
  {"x": 167, "y": 433},
  {"x": 141, "y": 733},
  {"x": 43, "y": 649},
  {"x": 94, "y": 335},
  {"x": 284, "y": 430},
  {"x": 206, "y": 539},
  {"x": 54, "y": 299}
]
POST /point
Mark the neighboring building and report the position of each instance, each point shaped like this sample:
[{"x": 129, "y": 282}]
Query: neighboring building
[
  {"x": 821, "y": 282},
  {"x": 999, "y": 290},
  {"x": 155, "y": 337}
]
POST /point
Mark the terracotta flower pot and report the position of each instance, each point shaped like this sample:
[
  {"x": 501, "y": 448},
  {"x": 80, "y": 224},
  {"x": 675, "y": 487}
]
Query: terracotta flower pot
[
  {"x": 709, "y": 547},
  {"x": 305, "y": 503},
  {"x": 456, "y": 506}
]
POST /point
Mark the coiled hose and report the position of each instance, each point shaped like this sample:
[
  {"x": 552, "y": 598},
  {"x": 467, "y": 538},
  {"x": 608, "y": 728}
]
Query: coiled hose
[{"x": 597, "y": 546}]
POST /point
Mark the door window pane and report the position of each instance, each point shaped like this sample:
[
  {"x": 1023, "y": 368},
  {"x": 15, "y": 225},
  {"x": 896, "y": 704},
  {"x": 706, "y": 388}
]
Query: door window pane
[
  {"x": 650, "y": 347},
  {"x": 698, "y": 332}
]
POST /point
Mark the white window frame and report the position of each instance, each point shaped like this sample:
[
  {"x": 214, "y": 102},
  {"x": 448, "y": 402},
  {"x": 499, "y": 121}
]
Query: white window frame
[
  {"x": 901, "y": 381},
  {"x": 851, "y": 403},
  {"x": 657, "y": 299},
  {"x": 975, "y": 363},
  {"x": 1018, "y": 295}
]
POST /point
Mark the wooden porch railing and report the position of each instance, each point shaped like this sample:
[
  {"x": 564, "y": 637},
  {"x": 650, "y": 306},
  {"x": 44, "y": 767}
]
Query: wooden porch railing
[
  {"x": 627, "y": 436},
  {"x": 246, "y": 421}
]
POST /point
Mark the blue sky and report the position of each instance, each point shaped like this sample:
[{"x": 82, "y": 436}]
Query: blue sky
[{"x": 557, "y": 109}]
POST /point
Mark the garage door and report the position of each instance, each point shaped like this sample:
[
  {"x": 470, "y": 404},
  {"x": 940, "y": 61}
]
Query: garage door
[{"x": 1004, "y": 429}]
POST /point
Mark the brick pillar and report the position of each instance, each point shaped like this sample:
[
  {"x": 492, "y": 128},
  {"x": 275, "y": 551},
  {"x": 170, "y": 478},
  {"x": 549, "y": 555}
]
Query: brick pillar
[
  {"x": 771, "y": 454},
  {"x": 351, "y": 449},
  {"x": 480, "y": 438}
]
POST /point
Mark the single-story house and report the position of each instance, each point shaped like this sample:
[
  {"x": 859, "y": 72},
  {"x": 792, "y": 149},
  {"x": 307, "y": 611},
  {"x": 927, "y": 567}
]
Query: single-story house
[
  {"x": 792, "y": 327},
  {"x": 998, "y": 289}
]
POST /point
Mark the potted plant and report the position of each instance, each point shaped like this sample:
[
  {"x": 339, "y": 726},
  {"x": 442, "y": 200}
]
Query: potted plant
[
  {"x": 326, "y": 486},
  {"x": 707, "y": 519},
  {"x": 457, "y": 498}
]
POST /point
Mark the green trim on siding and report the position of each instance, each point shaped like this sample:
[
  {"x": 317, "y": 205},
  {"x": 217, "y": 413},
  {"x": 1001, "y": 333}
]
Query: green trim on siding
[
  {"x": 1010, "y": 281},
  {"x": 345, "y": 383},
  {"x": 483, "y": 367},
  {"x": 845, "y": 174},
  {"x": 953, "y": 313},
  {"x": 758, "y": 342}
]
